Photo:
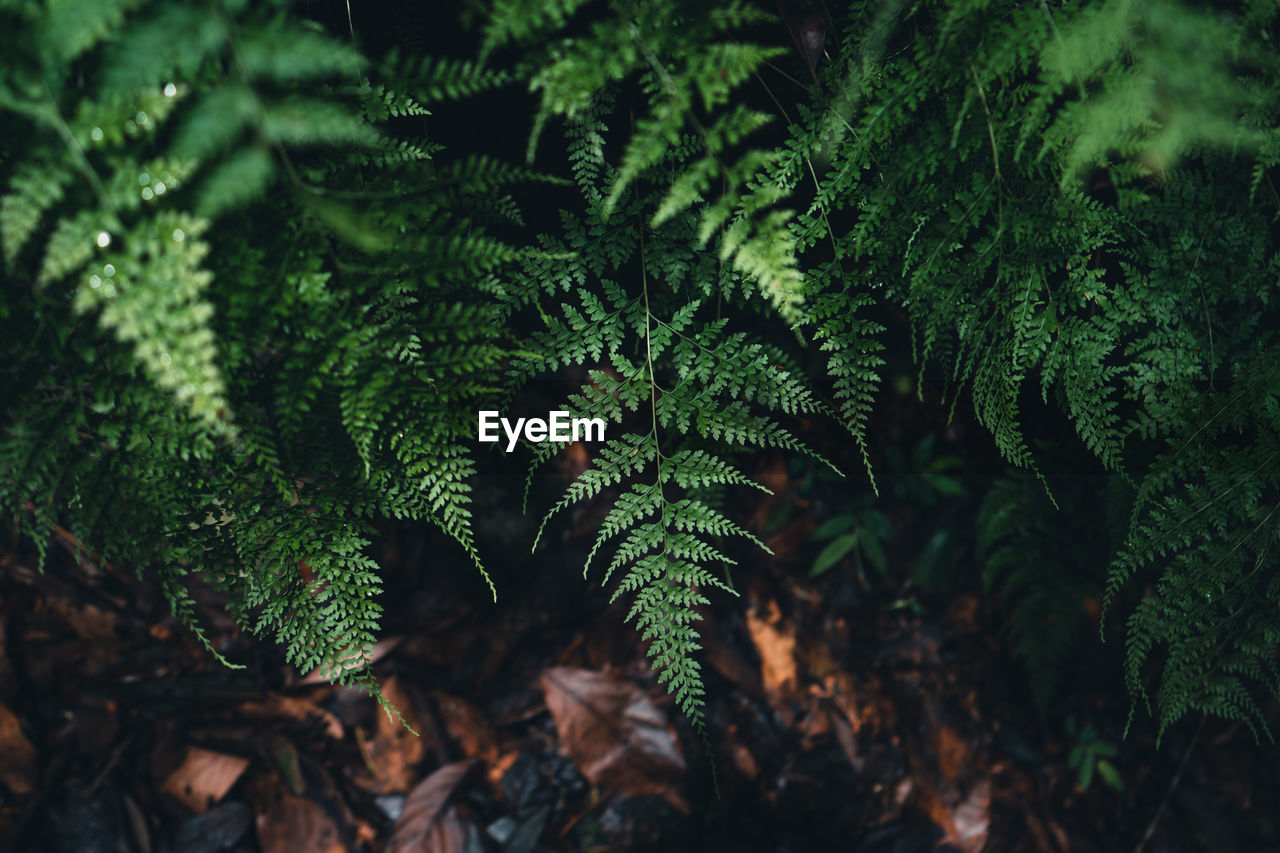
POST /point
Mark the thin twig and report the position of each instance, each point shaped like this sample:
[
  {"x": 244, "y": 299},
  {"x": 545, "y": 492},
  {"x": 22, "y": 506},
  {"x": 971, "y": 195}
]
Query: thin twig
[
  {"x": 991, "y": 132},
  {"x": 1177, "y": 777},
  {"x": 1272, "y": 187}
]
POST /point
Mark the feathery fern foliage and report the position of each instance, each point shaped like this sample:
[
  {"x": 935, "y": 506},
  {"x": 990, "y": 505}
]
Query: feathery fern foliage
[
  {"x": 688, "y": 388},
  {"x": 189, "y": 390},
  {"x": 690, "y": 68},
  {"x": 1209, "y": 518},
  {"x": 1074, "y": 198},
  {"x": 1059, "y": 198}
]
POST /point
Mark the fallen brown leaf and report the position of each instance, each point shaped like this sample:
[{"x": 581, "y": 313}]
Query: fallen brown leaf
[
  {"x": 725, "y": 658},
  {"x": 292, "y": 824},
  {"x": 203, "y": 778},
  {"x": 964, "y": 613},
  {"x": 743, "y": 760},
  {"x": 613, "y": 733},
  {"x": 814, "y": 722},
  {"x": 393, "y": 751},
  {"x": 775, "y": 640},
  {"x": 468, "y": 726},
  {"x": 90, "y": 643},
  {"x": 1040, "y": 834},
  {"x": 838, "y": 701},
  {"x": 296, "y": 708},
  {"x": 366, "y": 834},
  {"x": 89, "y": 622},
  {"x": 951, "y": 751},
  {"x": 17, "y": 755},
  {"x": 428, "y": 824},
  {"x": 819, "y": 662},
  {"x": 574, "y": 460}
]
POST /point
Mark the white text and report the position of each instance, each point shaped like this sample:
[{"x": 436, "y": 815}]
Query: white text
[{"x": 559, "y": 426}]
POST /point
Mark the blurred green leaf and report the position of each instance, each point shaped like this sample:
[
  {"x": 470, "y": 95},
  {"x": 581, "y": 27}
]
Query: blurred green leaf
[
  {"x": 1086, "y": 774},
  {"x": 920, "y": 456},
  {"x": 832, "y": 527},
  {"x": 1110, "y": 775},
  {"x": 943, "y": 485},
  {"x": 932, "y": 560},
  {"x": 875, "y": 554},
  {"x": 834, "y": 553}
]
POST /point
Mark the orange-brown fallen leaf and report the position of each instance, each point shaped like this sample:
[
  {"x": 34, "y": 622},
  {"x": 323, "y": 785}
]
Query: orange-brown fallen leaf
[
  {"x": 819, "y": 662},
  {"x": 89, "y": 622},
  {"x": 743, "y": 761},
  {"x": 17, "y": 755},
  {"x": 393, "y": 751},
  {"x": 965, "y": 613},
  {"x": 614, "y": 733},
  {"x": 468, "y": 726},
  {"x": 835, "y": 703},
  {"x": 775, "y": 640},
  {"x": 428, "y": 824},
  {"x": 203, "y": 778}
]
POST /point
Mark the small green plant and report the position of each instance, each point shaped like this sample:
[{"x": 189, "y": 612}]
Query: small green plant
[
  {"x": 921, "y": 477},
  {"x": 864, "y": 530},
  {"x": 1092, "y": 756},
  {"x": 862, "y": 533}
]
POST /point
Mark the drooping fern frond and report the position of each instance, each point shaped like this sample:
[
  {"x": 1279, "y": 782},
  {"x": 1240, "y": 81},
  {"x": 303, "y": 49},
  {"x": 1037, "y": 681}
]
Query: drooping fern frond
[
  {"x": 854, "y": 360},
  {"x": 435, "y": 79},
  {"x": 687, "y": 390},
  {"x": 1208, "y": 519},
  {"x": 1058, "y": 200}
]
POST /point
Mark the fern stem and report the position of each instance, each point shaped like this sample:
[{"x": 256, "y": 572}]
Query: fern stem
[
  {"x": 1173, "y": 785},
  {"x": 77, "y": 154}
]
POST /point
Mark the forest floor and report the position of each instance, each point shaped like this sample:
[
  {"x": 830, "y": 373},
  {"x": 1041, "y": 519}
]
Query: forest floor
[{"x": 851, "y": 711}]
